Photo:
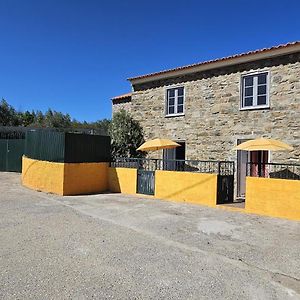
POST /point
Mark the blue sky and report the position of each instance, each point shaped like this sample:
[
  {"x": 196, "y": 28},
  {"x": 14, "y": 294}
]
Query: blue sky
[{"x": 74, "y": 55}]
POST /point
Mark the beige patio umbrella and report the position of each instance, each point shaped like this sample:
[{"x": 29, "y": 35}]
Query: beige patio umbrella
[
  {"x": 263, "y": 144},
  {"x": 158, "y": 144}
]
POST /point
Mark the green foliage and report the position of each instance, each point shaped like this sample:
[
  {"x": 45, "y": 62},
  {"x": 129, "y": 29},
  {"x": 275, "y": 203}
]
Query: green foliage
[
  {"x": 27, "y": 118},
  {"x": 8, "y": 115},
  {"x": 100, "y": 125},
  {"x": 39, "y": 119},
  {"x": 56, "y": 119},
  {"x": 51, "y": 119},
  {"x": 126, "y": 135}
]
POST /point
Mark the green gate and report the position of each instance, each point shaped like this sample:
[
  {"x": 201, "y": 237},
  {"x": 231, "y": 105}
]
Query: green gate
[
  {"x": 145, "y": 182},
  {"x": 11, "y": 152},
  {"x": 3, "y": 155}
]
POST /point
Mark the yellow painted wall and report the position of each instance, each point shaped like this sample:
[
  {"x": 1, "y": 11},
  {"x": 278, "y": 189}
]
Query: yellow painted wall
[
  {"x": 85, "y": 178},
  {"x": 43, "y": 175},
  {"x": 186, "y": 187},
  {"x": 122, "y": 180},
  {"x": 64, "y": 178},
  {"x": 273, "y": 197},
  {"x": 264, "y": 196}
]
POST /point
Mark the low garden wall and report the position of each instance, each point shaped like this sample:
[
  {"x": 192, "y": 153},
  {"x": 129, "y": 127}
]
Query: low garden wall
[
  {"x": 43, "y": 176},
  {"x": 264, "y": 196},
  {"x": 64, "y": 178},
  {"x": 169, "y": 185},
  {"x": 85, "y": 178},
  {"x": 122, "y": 180},
  {"x": 198, "y": 188},
  {"x": 273, "y": 197}
]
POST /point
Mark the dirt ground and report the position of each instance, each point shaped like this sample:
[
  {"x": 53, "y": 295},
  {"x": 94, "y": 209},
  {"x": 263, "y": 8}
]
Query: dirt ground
[{"x": 112, "y": 246}]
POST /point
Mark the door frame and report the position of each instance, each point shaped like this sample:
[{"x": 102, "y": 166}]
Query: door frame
[
  {"x": 238, "y": 167},
  {"x": 169, "y": 165},
  {"x": 238, "y": 170}
]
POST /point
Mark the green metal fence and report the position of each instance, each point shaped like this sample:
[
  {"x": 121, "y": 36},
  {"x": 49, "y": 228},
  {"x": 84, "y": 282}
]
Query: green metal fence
[
  {"x": 57, "y": 146},
  {"x": 11, "y": 152},
  {"x": 3, "y": 155},
  {"x": 46, "y": 145}
]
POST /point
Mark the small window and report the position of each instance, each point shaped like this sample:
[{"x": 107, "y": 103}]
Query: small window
[
  {"x": 175, "y": 101},
  {"x": 255, "y": 91}
]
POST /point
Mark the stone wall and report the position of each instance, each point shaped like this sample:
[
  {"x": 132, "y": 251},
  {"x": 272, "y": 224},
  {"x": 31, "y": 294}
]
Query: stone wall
[
  {"x": 213, "y": 121},
  {"x": 121, "y": 104}
]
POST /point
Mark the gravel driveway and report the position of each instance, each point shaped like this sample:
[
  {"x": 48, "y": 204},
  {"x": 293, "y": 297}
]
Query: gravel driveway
[{"x": 111, "y": 246}]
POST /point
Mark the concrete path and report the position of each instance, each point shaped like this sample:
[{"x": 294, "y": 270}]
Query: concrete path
[{"x": 112, "y": 246}]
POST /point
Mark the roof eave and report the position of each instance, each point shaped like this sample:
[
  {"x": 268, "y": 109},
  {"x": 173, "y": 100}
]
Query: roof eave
[
  {"x": 120, "y": 97},
  {"x": 217, "y": 64}
]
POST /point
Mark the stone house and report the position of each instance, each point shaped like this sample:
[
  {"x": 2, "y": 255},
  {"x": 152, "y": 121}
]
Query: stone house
[
  {"x": 122, "y": 102},
  {"x": 212, "y": 106}
]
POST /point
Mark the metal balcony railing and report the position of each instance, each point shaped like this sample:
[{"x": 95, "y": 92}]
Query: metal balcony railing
[
  {"x": 200, "y": 166},
  {"x": 274, "y": 170}
]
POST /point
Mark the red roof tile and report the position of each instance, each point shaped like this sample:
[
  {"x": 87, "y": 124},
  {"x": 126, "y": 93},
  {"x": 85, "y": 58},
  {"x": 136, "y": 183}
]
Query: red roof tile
[
  {"x": 120, "y": 97},
  {"x": 218, "y": 60}
]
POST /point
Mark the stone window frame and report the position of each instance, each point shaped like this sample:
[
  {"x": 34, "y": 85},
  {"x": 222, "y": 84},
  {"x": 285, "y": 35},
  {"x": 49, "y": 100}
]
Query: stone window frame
[
  {"x": 255, "y": 73},
  {"x": 166, "y": 101}
]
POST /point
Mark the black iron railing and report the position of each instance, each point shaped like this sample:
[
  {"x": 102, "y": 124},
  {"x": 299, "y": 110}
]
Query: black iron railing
[
  {"x": 200, "y": 166},
  {"x": 274, "y": 170}
]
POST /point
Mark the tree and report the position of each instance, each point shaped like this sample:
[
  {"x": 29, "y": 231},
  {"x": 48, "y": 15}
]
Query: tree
[
  {"x": 51, "y": 119},
  {"x": 56, "y": 119},
  {"x": 8, "y": 115},
  {"x": 126, "y": 135},
  {"x": 102, "y": 125},
  {"x": 39, "y": 120},
  {"x": 27, "y": 118}
]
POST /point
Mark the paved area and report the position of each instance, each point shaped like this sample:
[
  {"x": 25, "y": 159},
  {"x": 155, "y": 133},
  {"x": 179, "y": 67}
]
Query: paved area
[{"x": 112, "y": 246}]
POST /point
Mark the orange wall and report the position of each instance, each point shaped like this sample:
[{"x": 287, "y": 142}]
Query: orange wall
[
  {"x": 189, "y": 187},
  {"x": 43, "y": 176},
  {"x": 85, "y": 178},
  {"x": 273, "y": 197},
  {"x": 65, "y": 178},
  {"x": 122, "y": 180},
  {"x": 264, "y": 196}
]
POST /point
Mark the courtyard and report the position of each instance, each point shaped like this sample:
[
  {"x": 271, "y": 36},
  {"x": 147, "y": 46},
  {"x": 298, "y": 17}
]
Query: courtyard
[{"x": 114, "y": 246}]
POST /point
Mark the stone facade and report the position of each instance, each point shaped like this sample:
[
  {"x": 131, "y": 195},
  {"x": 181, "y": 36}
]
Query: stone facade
[
  {"x": 121, "y": 105},
  {"x": 213, "y": 121}
]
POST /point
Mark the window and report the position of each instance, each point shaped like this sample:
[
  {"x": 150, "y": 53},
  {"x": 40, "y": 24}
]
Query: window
[
  {"x": 255, "y": 91},
  {"x": 175, "y": 101}
]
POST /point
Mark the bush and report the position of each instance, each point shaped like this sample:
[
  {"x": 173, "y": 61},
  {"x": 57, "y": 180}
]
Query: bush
[{"x": 126, "y": 135}]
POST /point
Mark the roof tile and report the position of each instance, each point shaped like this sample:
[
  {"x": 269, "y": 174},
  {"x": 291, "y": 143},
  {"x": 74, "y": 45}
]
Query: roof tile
[{"x": 217, "y": 60}]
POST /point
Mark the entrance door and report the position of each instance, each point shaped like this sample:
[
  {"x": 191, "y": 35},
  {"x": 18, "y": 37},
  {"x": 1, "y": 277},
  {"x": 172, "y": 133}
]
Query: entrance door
[
  {"x": 259, "y": 159},
  {"x": 174, "y": 154},
  {"x": 256, "y": 169},
  {"x": 242, "y": 159}
]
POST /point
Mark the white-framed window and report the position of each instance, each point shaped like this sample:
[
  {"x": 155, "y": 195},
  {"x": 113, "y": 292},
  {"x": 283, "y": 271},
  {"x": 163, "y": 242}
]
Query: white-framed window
[
  {"x": 175, "y": 101},
  {"x": 255, "y": 91}
]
